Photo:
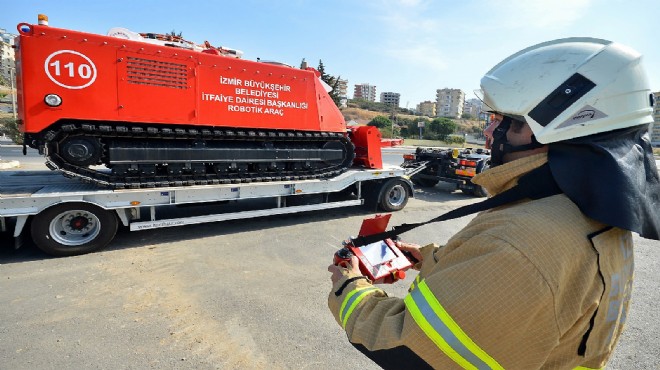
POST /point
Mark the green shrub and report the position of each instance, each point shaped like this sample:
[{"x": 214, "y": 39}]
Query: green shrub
[
  {"x": 9, "y": 127},
  {"x": 455, "y": 139}
]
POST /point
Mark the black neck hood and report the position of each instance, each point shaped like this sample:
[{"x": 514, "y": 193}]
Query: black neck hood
[{"x": 612, "y": 177}]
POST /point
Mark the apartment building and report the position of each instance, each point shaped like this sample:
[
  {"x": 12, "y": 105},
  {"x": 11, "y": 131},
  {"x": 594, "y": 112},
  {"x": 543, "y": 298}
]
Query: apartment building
[
  {"x": 426, "y": 108},
  {"x": 472, "y": 107},
  {"x": 390, "y": 98},
  {"x": 655, "y": 127},
  {"x": 365, "y": 91},
  {"x": 342, "y": 92},
  {"x": 6, "y": 55},
  {"x": 342, "y": 88},
  {"x": 449, "y": 102}
]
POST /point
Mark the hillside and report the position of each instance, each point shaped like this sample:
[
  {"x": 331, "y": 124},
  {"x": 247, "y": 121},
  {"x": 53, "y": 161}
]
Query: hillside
[{"x": 363, "y": 116}]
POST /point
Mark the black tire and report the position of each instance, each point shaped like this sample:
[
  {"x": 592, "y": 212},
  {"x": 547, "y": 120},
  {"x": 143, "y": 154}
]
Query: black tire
[
  {"x": 424, "y": 183},
  {"x": 478, "y": 190},
  {"x": 393, "y": 195},
  {"x": 468, "y": 191},
  {"x": 70, "y": 229}
]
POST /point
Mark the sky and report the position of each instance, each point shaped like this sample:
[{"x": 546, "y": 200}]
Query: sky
[{"x": 412, "y": 47}]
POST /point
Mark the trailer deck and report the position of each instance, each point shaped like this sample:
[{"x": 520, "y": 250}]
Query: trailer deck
[{"x": 70, "y": 217}]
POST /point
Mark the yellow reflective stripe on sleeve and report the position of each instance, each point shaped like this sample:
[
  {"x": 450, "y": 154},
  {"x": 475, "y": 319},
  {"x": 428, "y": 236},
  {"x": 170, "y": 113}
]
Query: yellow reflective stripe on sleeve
[
  {"x": 351, "y": 301},
  {"x": 438, "y": 326},
  {"x": 413, "y": 285}
]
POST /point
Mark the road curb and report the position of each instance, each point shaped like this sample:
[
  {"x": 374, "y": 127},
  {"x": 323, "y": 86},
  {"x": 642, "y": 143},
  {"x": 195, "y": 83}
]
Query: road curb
[{"x": 4, "y": 165}]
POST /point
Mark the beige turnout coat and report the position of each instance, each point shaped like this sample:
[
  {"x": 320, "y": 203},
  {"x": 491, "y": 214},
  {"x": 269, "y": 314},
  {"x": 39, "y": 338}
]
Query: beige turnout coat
[{"x": 530, "y": 285}]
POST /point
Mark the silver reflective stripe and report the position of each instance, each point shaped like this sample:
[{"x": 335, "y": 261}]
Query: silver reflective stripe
[{"x": 444, "y": 332}]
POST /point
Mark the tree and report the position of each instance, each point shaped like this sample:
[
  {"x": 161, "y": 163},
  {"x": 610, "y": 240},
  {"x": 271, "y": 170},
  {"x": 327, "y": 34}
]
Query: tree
[
  {"x": 410, "y": 127},
  {"x": 324, "y": 76},
  {"x": 332, "y": 81},
  {"x": 442, "y": 127},
  {"x": 380, "y": 122},
  {"x": 174, "y": 34}
]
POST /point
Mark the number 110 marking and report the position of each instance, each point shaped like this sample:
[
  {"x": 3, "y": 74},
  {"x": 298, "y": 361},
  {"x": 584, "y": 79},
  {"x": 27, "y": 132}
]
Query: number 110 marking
[{"x": 84, "y": 70}]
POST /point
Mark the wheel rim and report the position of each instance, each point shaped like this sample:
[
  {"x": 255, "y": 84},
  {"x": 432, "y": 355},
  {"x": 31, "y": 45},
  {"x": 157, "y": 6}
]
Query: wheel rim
[
  {"x": 397, "y": 195},
  {"x": 75, "y": 227}
]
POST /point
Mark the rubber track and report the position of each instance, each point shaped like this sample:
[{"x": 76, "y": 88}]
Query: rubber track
[{"x": 107, "y": 179}]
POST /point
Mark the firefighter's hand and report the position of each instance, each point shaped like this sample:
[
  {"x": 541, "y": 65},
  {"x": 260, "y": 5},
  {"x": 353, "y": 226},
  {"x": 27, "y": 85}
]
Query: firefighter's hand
[
  {"x": 338, "y": 272},
  {"x": 411, "y": 248}
]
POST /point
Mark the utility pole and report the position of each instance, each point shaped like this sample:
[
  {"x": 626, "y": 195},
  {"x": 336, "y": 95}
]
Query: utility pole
[
  {"x": 13, "y": 91},
  {"x": 393, "y": 122}
]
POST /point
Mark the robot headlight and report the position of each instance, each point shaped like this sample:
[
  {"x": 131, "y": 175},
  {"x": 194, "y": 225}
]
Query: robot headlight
[{"x": 53, "y": 100}]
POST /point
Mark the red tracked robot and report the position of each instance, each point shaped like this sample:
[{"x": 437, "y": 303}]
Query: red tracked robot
[{"x": 161, "y": 111}]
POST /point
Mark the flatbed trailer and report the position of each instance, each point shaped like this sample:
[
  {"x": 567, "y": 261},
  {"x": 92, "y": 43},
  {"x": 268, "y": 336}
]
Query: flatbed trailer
[{"x": 71, "y": 218}]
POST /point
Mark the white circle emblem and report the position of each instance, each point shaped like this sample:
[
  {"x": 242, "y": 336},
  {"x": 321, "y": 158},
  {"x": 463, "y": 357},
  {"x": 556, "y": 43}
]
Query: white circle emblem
[{"x": 70, "y": 69}]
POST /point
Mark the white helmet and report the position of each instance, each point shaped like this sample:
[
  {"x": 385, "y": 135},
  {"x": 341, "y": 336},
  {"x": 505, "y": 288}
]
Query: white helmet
[{"x": 570, "y": 88}]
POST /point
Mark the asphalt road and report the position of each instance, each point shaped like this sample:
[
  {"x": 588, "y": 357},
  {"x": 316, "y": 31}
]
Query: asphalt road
[{"x": 231, "y": 295}]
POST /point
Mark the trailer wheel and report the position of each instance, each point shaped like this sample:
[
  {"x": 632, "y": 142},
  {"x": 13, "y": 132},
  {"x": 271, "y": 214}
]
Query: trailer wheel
[
  {"x": 70, "y": 229},
  {"x": 393, "y": 196},
  {"x": 479, "y": 190}
]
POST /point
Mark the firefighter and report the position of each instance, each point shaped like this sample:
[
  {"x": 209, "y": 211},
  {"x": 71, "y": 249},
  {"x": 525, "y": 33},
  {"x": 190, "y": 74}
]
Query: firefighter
[{"x": 544, "y": 281}]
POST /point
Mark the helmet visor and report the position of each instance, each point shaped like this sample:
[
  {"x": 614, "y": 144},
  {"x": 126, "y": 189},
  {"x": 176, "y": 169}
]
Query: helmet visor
[{"x": 479, "y": 93}]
